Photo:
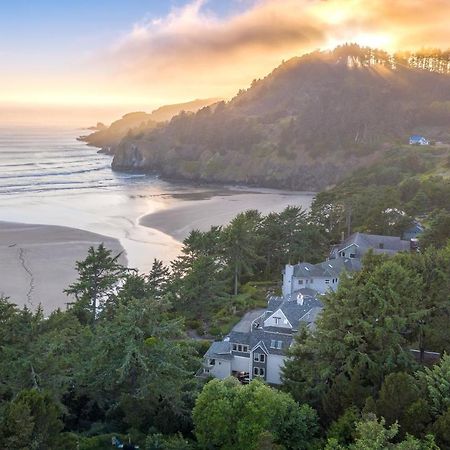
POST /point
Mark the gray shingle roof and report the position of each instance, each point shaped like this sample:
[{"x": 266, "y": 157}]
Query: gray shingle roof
[
  {"x": 380, "y": 244},
  {"x": 306, "y": 270},
  {"x": 219, "y": 350},
  {"x": 296, "y": 310},
  {"x": 334, "y": 267},
  {"x": 261, "y": 335},
  {"x": 331, "y": 268}
]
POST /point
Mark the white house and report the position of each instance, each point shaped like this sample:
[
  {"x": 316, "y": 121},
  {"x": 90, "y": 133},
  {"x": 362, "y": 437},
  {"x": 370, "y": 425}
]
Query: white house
[
  {"x": 320, "y": 277},
  {"x": 260, "y": 351},
  {"x": 417, "y": 139}
]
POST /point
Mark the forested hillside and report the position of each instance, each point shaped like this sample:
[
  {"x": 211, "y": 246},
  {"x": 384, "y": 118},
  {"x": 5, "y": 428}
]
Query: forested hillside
[
  {"x": 140, "y": 122},
  {"x": 304, "y": 126}
]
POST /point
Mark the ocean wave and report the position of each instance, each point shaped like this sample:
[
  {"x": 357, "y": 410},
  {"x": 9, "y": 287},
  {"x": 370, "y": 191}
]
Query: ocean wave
[{"x": 53, "y": 174}]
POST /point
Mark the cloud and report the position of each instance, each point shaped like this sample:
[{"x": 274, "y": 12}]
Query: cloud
[
  {"x": 194, "y": 52},
  {"x": 216, "y": 54}
]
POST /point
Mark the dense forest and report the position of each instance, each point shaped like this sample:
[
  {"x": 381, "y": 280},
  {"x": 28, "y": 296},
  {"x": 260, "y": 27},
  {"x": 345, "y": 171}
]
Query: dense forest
[
  {"x": 120, "y": 362},
  {"x": 306, "y": 125}
]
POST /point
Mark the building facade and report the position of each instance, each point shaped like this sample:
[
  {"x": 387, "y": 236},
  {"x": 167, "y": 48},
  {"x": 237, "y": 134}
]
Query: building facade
[{"x": 260, "y": 351}]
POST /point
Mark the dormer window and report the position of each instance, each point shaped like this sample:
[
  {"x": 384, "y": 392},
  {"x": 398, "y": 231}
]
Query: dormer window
[{"x": 279, "y": 344}]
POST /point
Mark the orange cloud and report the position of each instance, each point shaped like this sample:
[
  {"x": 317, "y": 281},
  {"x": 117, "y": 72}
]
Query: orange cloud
[{"x": 192, "y": 52}]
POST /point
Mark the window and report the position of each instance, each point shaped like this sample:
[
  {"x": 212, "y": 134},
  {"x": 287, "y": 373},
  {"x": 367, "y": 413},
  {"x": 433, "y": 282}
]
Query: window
[
  {"x": 273, "y": 344},
  {"x": 327, "y": 281},
  {"x": 300, "y": 281},
  {"x": 258, "y": 371},
  {"x": 352, "y": 255},
  {"x": 212, "y": 362},
  {"x": 258, "y": 357},
  {"x": 245, "y": 348},
  {"x": 234, "y": 347},
  {"x": 311, "y": 281},
  {"x": 277, "y": 320},
  {"x": 239, "y": 348},
  {"x": 381, "y": 245},
  {"x": 279, "y": 344}
]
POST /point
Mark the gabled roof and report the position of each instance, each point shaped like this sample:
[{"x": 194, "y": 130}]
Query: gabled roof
[
  {"x": 280, "y": 313},
  {"x": 261, "y": 345},
  {"x": 295, "y": 307},
  {"x": 266, "y": 337},
  {"x": 379, "y": 243},
  {"x": 297, "y": 311}
]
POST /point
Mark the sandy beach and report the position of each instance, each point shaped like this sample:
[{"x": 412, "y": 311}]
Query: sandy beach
[
  {"x": 178, "y": 220},
  {"x": 37, "y": 262}
]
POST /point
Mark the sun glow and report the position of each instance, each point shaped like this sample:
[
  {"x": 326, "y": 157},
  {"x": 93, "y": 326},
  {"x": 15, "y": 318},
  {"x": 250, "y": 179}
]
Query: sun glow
[{"x": 379, "y": 41}]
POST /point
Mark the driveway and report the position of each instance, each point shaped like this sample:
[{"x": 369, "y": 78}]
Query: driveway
[{"x": 243, "y": 326}]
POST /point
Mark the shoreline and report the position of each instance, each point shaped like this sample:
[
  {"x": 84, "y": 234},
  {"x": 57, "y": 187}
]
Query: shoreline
[
  {"x": 38, "y": 262},
  {"x": 179, "y": 220}
]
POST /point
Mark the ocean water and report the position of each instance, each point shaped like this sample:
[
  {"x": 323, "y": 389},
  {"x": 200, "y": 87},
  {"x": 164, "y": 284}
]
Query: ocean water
[
  {"x": 42, "y": 160},
  {"x": 48, "y": 177}
]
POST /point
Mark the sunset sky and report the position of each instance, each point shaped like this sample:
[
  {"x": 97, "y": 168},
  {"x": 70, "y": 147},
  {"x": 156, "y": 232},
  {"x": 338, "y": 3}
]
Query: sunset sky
[{"x": 81, "y": 60}]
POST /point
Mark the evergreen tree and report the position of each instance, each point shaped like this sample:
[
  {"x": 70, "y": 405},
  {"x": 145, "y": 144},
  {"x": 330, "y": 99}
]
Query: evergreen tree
[
  {"x": 98, "y": 276},
  {"x": 240, "y": 244}
]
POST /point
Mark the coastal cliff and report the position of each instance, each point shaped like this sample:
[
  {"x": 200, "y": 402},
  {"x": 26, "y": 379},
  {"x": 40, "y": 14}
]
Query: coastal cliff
[{"x": 309, "y": 123}]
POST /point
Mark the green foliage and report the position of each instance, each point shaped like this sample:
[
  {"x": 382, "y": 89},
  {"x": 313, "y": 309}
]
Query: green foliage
[
  {"x": 436, "y": 381},
  {"x": 441, "y": 429},
  {"x": 210, "y": 280},
  {"x": 240, "y": 242},
  {"x": 399, "y": 400},
  {"x": 437, "y": 234},
  {"x": 161, "y": 442},
  {"x": 278, "y": 133},
  {"x": 360, "y": 337},
  {"x": 259, "y": 414},
  {"x": 385, "y": 197},
  {"x": 371, "y": 434},
  {"x": 98, "y": 276},
  {"x": 342, "y": 430},
  {"x": 31, "y": 421}
]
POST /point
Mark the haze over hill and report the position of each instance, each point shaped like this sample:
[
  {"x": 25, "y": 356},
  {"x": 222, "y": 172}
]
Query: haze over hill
[
  {"x": 141, "y": 122},
  {"x": 307, "y": 124}
]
